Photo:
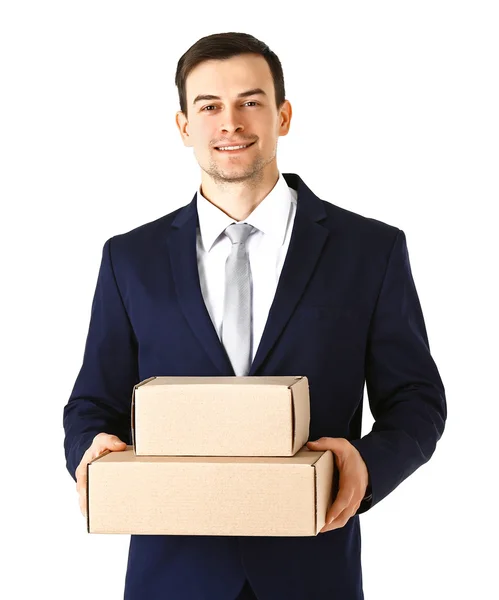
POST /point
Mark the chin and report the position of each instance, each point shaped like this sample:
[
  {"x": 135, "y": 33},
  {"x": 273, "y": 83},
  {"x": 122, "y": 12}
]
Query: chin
[{"x": 231, "y": 174}]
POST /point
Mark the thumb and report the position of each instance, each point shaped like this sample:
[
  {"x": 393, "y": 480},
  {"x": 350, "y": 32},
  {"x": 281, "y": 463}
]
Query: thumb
[
  {"x": 326, "y": 443},
  {"x": 320, "y": 443},
  {"x": 115, "y": 442}
]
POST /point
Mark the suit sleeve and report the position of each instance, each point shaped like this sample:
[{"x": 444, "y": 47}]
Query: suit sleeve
[
  {"x": 406, "y": 393},
  {"x": 101, "y": 397}
]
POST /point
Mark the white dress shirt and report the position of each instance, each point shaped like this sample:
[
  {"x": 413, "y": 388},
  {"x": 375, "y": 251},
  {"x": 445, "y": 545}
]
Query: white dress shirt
[{"x": 267, "y": 248}]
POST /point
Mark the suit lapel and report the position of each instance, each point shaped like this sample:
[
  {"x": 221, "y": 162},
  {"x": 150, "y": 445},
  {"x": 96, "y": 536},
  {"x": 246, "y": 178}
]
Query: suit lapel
[
  {"x": 306, "y": 244},
  {"x": 183, "y": 259}
]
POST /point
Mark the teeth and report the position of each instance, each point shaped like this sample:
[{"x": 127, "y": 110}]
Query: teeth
[{"x": 232, "y": 147}]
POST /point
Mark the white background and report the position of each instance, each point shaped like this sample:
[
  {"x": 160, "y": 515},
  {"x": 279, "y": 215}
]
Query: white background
[{"x": 395, "y": 117}]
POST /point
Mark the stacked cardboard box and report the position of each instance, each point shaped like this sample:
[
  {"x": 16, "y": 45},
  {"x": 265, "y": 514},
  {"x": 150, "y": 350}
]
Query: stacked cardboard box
[{"x": 214, "y": 456}]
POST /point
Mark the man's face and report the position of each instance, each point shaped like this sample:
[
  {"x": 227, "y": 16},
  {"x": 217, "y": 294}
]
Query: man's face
[{"x": 231, "y": 102}]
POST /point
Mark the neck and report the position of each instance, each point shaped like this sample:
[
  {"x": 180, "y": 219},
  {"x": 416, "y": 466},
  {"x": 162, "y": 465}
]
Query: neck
[{"x": 238, "y": 199}]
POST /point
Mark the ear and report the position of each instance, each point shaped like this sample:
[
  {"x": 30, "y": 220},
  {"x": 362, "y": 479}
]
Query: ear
[
  {"x": 183, "y": 127},
  {"x": 285, "y": 114}
]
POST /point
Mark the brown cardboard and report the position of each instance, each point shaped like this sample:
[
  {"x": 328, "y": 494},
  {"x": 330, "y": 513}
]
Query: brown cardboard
[
  {"x": 220, "y": 416},
  {"x": 247, "y": 496}
]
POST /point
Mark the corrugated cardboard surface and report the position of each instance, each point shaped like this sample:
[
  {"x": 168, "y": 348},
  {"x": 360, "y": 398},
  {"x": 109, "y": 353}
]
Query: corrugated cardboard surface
[
  {"x": 220, "y": 416},
  {"x": 247, "y": 496}
]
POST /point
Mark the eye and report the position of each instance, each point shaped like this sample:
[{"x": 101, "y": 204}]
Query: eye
[{"x": 212, "y": 106}]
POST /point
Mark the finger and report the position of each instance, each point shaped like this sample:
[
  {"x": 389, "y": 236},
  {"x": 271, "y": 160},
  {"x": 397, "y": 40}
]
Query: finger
[
  {"x": 81, "y": 485},
  {"x": 317, "y": 442},
  {"x": 343, "y": 518},
  {"x": 116, "y": 443},
  {"x": 333, "y": 514},
  {"x": 337, "y": 445},
  {"x": 83, "y": 502},
  {"x": 81, "y": 481},
  {"x": 106, "y": 441},
  {"x": 100, "y": 443},
  {"x": 81, "y": 470},
  {"x": 343, "y": 499},
  {"x": 91, "y": 454},
  {"x": 321, "y": 444}
]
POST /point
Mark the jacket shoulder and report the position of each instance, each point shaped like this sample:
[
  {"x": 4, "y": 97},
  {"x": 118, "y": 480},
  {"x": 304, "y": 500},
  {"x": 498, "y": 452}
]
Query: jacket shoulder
[
  {"x": 353, "y": 224},
  {"x": 144, "y": 237}
]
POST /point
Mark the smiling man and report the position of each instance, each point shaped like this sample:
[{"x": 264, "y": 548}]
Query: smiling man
[
  {"x": 258, "y": 276},
  {"x": 234, "y": 131}
]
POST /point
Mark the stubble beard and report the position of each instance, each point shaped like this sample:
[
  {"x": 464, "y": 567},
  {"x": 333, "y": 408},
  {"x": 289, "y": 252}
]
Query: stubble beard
[{"x": 251, "y": 174}]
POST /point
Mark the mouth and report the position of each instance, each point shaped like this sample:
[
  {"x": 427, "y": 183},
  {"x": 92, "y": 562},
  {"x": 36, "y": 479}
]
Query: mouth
[{"x": 233, "y": 149}]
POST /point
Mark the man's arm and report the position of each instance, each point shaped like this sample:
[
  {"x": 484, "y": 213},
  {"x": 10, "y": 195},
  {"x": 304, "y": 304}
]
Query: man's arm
[
  {"x": 406, "y": 393},
  {"x": 101, "y": 397}
]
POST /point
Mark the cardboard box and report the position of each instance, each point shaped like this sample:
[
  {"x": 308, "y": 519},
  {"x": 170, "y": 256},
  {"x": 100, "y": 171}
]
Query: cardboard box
[
  {"x": 220, "y": 416},
  {"x": 244, "y": 496}
]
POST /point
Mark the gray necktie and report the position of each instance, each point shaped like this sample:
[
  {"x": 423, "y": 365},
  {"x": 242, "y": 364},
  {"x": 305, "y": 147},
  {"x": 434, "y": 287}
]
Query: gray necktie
[{"x": 237, "y": 320}]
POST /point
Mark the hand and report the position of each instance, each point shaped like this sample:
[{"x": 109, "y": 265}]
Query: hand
[
  {"x": 100, "y": 443},
  {"x": 354, "y": 478}
]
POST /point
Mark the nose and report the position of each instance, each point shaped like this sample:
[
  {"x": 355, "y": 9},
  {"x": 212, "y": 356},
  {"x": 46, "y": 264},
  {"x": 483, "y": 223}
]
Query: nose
[{"x": 230, "y": 122}]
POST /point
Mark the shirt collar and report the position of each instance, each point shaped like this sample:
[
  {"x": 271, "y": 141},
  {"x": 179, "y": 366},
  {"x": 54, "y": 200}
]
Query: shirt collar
[{"x": 270, "y": 216}]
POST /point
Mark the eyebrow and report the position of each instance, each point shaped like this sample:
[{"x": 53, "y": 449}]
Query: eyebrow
[{"x": 252, "y": 92}]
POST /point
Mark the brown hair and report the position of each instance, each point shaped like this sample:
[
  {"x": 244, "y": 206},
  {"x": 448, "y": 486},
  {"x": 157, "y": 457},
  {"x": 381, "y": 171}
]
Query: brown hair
[{"x": 221, "y": 46}]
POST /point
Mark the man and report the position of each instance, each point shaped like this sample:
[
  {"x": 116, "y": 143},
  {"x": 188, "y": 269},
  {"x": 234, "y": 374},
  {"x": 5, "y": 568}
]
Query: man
[{"x": 258, "y": 276}]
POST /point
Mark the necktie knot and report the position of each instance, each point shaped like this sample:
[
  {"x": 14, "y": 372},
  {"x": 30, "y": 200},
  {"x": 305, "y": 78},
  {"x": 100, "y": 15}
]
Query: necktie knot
[{"x": 238, "y": 233}]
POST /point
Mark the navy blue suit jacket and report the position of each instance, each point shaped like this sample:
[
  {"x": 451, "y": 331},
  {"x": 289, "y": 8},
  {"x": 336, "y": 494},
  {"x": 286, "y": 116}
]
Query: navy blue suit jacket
[{"x": 346, "y": 312}]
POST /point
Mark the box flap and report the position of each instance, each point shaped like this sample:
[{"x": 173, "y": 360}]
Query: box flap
[
  {"x": 301, "y": 412},
  {"x": 133, "y": 407}
]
